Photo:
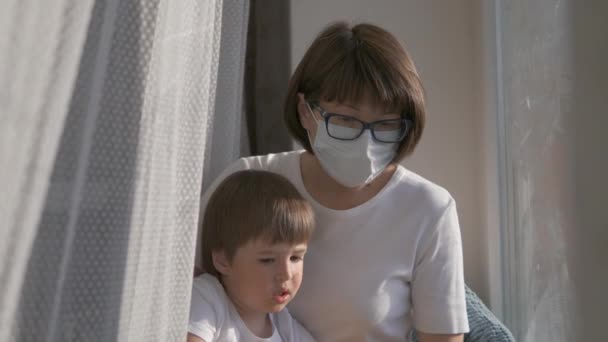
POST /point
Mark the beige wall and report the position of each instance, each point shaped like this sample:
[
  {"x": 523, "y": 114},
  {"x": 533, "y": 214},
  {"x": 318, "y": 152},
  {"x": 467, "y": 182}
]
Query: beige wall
[
  {"x": 443, "y": 38},
  {"x": 589, "y": 120}
]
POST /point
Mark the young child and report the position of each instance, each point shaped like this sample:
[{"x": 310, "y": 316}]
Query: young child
[{"x": 254, "y": 236}]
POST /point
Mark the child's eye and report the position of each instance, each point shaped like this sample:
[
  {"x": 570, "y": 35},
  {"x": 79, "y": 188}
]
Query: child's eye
[
  {"x": 266, "y": 260},
  {"x": 295, "y": 258}
]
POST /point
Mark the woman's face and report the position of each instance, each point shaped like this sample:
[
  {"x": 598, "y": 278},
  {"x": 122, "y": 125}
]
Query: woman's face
[{"x": 365, "y": 110}]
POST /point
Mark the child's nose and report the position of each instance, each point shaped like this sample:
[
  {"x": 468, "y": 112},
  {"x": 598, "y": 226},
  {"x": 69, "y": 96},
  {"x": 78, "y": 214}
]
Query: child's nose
[{"x": 285, "y": 271}]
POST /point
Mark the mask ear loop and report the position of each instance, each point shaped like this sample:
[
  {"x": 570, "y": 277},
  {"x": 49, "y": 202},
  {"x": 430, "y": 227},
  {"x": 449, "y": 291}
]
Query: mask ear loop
[{"x": 312, "y": 114}]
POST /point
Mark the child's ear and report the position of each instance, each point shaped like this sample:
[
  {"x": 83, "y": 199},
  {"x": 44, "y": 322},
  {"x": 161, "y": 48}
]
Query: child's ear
[{"x": 221, "y": 262}]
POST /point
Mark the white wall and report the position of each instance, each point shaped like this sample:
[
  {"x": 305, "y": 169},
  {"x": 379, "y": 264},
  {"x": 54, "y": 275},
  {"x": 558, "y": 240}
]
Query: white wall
[{"x": 443, "y": 37}]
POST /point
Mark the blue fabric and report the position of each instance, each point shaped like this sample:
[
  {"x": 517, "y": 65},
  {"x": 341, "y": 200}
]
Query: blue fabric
[{"x": 483, "y": 325}]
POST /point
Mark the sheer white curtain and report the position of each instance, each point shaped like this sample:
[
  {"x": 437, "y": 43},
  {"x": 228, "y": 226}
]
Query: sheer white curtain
[
  {"x": 106, "y": 127},
  {"x": 552, "y": 118},
  {"x": 536, "y": 91}
]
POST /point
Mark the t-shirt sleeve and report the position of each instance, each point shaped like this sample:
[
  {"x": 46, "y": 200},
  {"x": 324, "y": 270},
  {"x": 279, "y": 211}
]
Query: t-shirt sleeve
[
  {"x": 438, "y": 295},
  {"x": 206, "y": 312}
]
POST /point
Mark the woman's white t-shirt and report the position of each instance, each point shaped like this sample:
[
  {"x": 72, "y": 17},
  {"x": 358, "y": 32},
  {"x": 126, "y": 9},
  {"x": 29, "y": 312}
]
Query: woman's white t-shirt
[
  {"x": 214, "y": 318},
  {"x": 375, "y": 271}
]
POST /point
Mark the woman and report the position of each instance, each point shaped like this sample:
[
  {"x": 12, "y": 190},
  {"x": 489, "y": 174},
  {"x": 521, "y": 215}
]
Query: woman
[{"x": 386, "y": 256}]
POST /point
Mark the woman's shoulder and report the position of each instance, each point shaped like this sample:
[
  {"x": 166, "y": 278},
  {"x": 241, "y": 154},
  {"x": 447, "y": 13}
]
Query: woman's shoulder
[
  {"x": 410, "y": 185},
  {"x": 270, "y": 162}
]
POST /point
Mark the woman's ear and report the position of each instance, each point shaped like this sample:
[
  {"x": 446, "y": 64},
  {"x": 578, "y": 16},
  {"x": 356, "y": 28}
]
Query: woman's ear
[
  {"x": 304, "y": 113},
  {"x": 221, "y": 262},
  {"x": 303, "y": 110}
]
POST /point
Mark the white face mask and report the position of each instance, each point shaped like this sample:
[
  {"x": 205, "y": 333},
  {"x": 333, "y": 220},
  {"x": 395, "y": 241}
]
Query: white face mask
[{"x": 352, "y": 162}]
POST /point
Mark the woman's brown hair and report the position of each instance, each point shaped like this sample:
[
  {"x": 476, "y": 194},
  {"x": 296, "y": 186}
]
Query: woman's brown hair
[
  {"x": 249, "y": 205},
  {"x": 345, "y": 63}
]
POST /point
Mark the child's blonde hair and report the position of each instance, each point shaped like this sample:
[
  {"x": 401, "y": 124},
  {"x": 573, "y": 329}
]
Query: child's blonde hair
[{"x": 251, "y": 205}]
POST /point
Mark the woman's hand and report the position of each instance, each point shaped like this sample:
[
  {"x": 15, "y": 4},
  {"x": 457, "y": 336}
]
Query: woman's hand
[{"x": 424, "y": 337}]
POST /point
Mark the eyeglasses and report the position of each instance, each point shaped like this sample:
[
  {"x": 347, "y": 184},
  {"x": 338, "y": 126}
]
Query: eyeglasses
[{"x": 345, "y": 127}]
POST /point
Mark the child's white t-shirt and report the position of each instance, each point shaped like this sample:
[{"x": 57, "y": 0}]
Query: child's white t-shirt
[{"x": 213, "y": 317}]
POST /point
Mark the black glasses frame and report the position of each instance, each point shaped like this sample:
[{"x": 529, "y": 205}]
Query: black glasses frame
[{"x": 364, "y": 125}]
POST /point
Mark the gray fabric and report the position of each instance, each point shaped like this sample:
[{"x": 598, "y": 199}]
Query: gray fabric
[
  {"x": 484, "y": 326},
  {"x": 267, "y": 75}
]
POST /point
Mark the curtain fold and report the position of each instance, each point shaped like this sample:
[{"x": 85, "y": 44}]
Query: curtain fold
[
  {"x": 109, "y": 112},
  {"x": 229, "y": 140}
]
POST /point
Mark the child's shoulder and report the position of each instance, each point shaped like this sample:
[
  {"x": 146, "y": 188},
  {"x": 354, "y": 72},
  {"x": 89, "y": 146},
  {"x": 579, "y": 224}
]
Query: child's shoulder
[
  {"x": 290, "y": 328},
  {"x": 206, "y": 281},
  {"x": 208, "y": 307},
  {"x": 208, "y": 289}
]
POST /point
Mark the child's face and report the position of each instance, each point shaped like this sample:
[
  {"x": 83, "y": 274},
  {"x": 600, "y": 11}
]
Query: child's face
[{"x": 264, "y": 277}]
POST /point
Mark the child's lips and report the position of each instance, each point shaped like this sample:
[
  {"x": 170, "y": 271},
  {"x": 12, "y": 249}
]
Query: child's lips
[{"x": 282, "y": 296}]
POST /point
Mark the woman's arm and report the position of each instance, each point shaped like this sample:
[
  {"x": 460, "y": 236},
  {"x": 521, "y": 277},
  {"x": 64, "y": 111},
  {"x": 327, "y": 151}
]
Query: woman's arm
[
  {"x": 438, "y": 291},
  {"x": 194, "y": 338},
  {"x": 422, "y": 337}
]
